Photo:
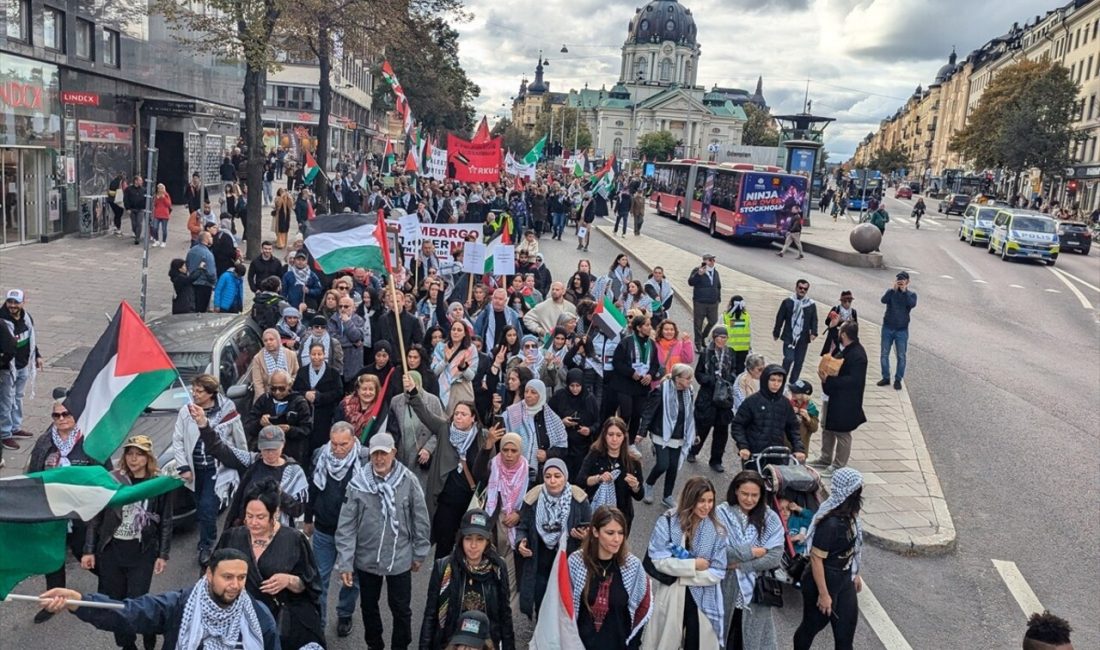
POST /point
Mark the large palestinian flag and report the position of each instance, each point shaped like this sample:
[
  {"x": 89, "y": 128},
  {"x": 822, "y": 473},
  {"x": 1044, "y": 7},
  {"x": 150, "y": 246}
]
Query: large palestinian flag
[
  {"x": 608, "y": 319},
  {"x": 311, "y": 169},
  {"x": 345, "y": 241},
  {"x": 35, "y": 509},
  {"x": 125, "y": 371}
]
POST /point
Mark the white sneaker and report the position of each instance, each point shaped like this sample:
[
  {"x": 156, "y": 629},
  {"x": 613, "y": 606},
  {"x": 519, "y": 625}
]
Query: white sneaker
[{"x": 647, "y": 491}]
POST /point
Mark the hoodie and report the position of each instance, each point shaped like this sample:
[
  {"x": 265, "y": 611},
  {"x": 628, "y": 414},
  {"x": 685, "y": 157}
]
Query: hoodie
[{"x": 766, "y": 419}]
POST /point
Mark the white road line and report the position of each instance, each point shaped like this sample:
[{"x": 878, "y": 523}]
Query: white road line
[
  {"x": 1074, "y": 277},
  {"x": 945, "y": 277},
  {"x": 1073, "y": 289},
  {"x": 880, "y": 621},
  {"x": 979, "y": 282},
  {"x": 901, "y": 220},
  {"x": 962, "y": 264},
  {"x": 1018, "y": 587},
  {"x": 1052, "y": 291},
  {"x": 1015, "y": 286},
  {"x": 932, "y": 221}
]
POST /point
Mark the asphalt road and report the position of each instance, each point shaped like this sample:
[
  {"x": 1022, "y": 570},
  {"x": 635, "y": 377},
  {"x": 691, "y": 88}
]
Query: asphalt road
[{"x": 1003, "y": 379}]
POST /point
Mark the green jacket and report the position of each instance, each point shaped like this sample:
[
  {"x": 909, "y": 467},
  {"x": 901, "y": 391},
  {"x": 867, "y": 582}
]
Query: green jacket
[{"x": 879, "y": 218}]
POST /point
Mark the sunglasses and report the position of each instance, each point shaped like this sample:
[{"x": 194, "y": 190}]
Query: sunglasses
[
  {"x": 530, "y": 346},
  {"x": 62, "y": 414},
  {"x": 279, "y": 389}
]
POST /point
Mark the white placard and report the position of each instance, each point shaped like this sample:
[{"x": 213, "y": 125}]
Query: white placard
[
  {"x": 473, "y": 257},
  {"x": 444, "y": 236},
  {"x": 410, "y": 227},
  {"x": 504, "y": 261},
  {"x": 437, "y": 166},
  {"x": 581, "y": 232}
]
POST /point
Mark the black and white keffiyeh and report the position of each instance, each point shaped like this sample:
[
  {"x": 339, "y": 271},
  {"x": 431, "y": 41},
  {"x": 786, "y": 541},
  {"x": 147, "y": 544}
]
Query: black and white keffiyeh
[
  {"x": 845, "y": 481},
  {"x": 315, "y": 374},
  {"x": 798, "y": 316},
  {"x": 328, "y": 464},
  {"x": 709, "y": 542},
  {"x": 670, "y": 403},
  {"x": 461, "y": 441},
  {"x": 743, "y": 533},
  {"x": 605, "y": 492},
  {"x": 365, "y": 480},
  {"x": 207, "y": 625},
  {"x": 274, "y": 361},
  {"x": 635, "y": 581}
]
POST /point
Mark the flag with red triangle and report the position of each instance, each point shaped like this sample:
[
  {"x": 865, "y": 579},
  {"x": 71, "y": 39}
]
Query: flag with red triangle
[
  {"x": 310, "y": 213},
  {"x": 410, "y": 162},
  {"x": 388, "y": 158},
  {"x": 482, "y": 135},
  {"x": 402, "y": 102},
  {"x": 122, "y": 375},
  {"x": 311, "y": 169},
  {"x": 383, "y": 239}
]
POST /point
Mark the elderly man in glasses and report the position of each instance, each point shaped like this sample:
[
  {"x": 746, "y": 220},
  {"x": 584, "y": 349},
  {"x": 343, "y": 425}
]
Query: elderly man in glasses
[{"x": 286, "y": 409}]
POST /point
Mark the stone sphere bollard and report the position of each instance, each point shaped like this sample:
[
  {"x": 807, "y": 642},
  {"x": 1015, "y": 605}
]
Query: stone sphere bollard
[{"x": 865, "y": 238}]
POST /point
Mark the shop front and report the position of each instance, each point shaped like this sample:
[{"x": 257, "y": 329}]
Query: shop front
[{"x": 32, "y": 169}]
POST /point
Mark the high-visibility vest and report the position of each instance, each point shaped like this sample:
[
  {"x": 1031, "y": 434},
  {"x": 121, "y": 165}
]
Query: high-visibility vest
[{"x": 739, "y": 329}]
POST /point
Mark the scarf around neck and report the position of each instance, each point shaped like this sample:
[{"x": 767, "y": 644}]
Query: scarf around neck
[
  {"x": 461, "y": 441},
  {"x": 635, "y": 581},
  {"x": 798, "y": 316},
  {"x": 365, "y": 480},
  {"x": 301, "y": 276},
  {"x": 328, "y": 464},
  {"x": 507, "y": 488},
  {"x": 64, "y": 447},
  {"x": 670, "y": 408},
  {"x": 845, "y": 481},
  {"x": 207, "y": 625},
  {"x": 276, "y": 361},
  {"x": 743, "y": 533},
  {"x": 315, "y": 375},
  {"x": 709, "y": 542},
  {"x": 552, "y": 515}
]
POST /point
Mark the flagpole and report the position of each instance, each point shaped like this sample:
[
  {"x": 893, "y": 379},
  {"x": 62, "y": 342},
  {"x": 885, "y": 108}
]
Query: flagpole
[
  {"x": 397, "y": 309},
  {"x": 21, "y": 598}
]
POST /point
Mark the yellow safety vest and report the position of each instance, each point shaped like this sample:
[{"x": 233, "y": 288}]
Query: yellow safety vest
[{"x": 740, "y": 339}]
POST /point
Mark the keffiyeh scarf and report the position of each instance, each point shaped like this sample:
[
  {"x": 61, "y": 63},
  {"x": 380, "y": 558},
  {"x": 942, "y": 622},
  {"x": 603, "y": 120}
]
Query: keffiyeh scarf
[
  {"x": 670, "y": 408},
  {"x": 635, "y": 581},
  {"x": 709, "y": 542},
  {"x": 507, "y": 488},
  {"x": 301, "y": 276},
  {"x": 605, "y": 492},
  {"x": 207, "y": 625},
  {"x": 315, "y": 374},
  {"x": 365, "y": 480},
  {"x": 798, "y": 316},
  {"x": 329, "y": 465},
  {"x": 326, "y": 342},
  {"x": 743, "y": 533},
  {"x": 276, "y": 361},
  {"x": 552, "y": 515},
  {"x": 64, "y": 446},
  {"x": 845, "y": 481},
  {"x": 461, "y": 441}
]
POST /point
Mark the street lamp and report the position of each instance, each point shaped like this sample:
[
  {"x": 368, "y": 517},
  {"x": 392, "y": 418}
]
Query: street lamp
[{"x": 564, "y": 50}]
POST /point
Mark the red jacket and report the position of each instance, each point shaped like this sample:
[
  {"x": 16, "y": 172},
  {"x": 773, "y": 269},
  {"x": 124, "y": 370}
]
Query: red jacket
[{"x": 162, "y": 206}]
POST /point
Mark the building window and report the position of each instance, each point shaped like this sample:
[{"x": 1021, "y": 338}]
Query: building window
[
  {"x": 18, "y": 14},
  {"x": 110, "y": 48},
  {"x": 1088, "y": 69},
  {"x": 53, "y": 29},
  {"x": 666, "y": 70},
  {"x": 642, "y": 69},
  {"x": 85, "y": 38}
]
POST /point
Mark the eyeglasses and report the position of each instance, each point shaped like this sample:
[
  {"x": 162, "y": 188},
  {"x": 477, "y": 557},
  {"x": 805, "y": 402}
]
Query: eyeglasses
[
  {"x": 347, "y": 306},
  {"x": 529, "y": 346},
  {"x": 62, "y": 414},
  {"x": 279, "y": 389}
]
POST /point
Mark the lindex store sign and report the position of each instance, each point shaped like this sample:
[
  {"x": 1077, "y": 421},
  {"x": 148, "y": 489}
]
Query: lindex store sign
[
  {"x": 22, "y": 95},
  {"x": 30, "y": 110}
]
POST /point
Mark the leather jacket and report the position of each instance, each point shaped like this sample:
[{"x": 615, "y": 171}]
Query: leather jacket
[{"x": 156, "y": 534}]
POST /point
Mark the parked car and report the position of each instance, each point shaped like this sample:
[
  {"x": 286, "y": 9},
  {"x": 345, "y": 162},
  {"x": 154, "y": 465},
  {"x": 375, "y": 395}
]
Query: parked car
[
  {"x": 954, "y": 203},
  {"x": 1025, "y": 234},
  {"x": 903, "y": 192},
  {"x": 977, "y": 224},
  {"x": 218, "y": 344},
  {"x": 1074, "y": 236},
  {"x": 915, "y": 187}
]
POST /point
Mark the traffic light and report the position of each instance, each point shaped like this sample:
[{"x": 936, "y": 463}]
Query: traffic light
[{"x": 1071, "y": 186}]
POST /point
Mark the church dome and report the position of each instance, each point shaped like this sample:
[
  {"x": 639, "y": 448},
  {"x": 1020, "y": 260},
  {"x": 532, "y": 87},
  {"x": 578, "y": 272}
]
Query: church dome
[
  {"x": 662, "y": 20},
  {"x": 948, "y": 69}
]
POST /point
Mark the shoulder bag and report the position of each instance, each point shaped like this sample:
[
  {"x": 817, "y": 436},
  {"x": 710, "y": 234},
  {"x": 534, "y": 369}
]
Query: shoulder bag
[{"x": 653, "y": 571}]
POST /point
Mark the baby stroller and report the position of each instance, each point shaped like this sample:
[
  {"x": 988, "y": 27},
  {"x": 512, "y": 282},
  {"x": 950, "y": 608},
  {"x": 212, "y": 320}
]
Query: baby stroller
[{"x": 786, "y": 478}]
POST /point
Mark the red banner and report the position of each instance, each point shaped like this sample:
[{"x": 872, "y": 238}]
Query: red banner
[{"x": 474, "y": 163}]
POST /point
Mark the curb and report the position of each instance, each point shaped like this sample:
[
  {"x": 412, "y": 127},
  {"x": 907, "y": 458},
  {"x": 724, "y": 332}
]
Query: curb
[
  {"x": 943, "y": 541},
  {"x": 846, "y": 258}
]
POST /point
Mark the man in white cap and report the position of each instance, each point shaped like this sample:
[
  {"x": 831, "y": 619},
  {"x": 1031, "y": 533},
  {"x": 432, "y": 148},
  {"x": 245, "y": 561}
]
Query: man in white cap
[
  {"x": 383, "y": 536},
  {"x": 18, "y": 364}
]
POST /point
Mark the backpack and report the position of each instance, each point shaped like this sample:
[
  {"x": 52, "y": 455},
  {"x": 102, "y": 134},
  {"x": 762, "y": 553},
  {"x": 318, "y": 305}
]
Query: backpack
[{"x": 265, "y": 310}]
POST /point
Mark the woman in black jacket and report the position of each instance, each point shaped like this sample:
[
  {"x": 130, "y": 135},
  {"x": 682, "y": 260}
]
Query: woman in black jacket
[
  {"x": 610, "y": 475},
  {"x": 473, "y": 577},
  {"x": 183, "y": 298},
  {"x": 323, "y": 389},
  {"x": 128, "y": 545},
  {"x": 715, "y": 366},
  {"x": 580, "y": 414}
]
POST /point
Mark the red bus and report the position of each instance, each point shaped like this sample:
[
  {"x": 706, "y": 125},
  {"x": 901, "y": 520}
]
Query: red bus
[{"x": 729, "y": 199}]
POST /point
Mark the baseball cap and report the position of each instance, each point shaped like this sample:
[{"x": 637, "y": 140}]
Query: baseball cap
[
  {"x": 301, "y": 255},
  {"x": 271, "y": 437},
  {"x": 902, "y": 275},
  {"x": 381, "y": 442},
  {"x": 475, "y": 522},
  {"x": 708, "y": 256},
  {"x": 802, "y": 387},
  {"x": 472, "y": 630},
  {"x": 16, "y": 295},
  {"x": 141, "y": 442}
]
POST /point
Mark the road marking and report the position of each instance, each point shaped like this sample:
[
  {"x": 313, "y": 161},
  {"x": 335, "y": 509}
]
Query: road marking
[
  {"x": 932, "y": 221},
  {"x": 1052, "y": 291},
  {"x": 1074, "y": 277},
  {"x": 964, "y": 265},
  {"x": 947, "y": 277},
  {"x": 880, "y": 621},
  {"x": 1073, "y": 288},
  {"x": 976, "y": 281},
  {"x": 1015, "y": 286},
  {"x": 1018, "y": 587},
  {"x": 901, "y": 220}
]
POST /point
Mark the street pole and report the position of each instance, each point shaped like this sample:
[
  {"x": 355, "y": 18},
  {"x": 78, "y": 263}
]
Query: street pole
[
  {"x": 203, "y": 131},
  {"x": 150, "y": 177},
  {"x": 863, "y": 195},
  {"x": 577, "y": 129},
  {"x": 550, "y": 140}
]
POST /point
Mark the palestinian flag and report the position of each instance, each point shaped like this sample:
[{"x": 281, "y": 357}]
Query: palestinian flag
[
  {"x": 310, "y": 171},
  {"x": 388, "y": 158},
  {"x": 345, "y": 241},
  {"x": 311, "y": 214},
  {"x": 364, "y": 177},
  {"x": 410, "y": 162},
  {"x": 383, "y": 240},
  {"x": 125, "y": 371},
  {"x": 608, "y": 318},
  {"x": 604, "y": 178},
  {"x": 535, "y": 154},
  {"x": 557, "y": 623},
  {"x": 578, "y": 167},
  {"x": 402, "y": 103},
  {"x": 35, "y": 509},
  {"x": 497, "y": 243}
]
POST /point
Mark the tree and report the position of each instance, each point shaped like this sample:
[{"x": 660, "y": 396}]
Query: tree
[
  {"x": 760, "y": 130},
  {"x": 566, "y": 118},
  {"x": 241, "y": 30},
  {"x": 889, "y": 161},
  {"x": 512, "y": 136},
  {"x": 1024, "y": 120},
  {"x": 438, "y": 90},
  {"x": 658, "y": 145}
]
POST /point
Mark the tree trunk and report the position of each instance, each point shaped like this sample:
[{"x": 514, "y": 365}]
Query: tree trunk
[
  {"x": 324, "y": 61},
  {"x": 254, "y": 82}
]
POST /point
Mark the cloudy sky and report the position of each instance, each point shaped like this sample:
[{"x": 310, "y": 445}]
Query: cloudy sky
[{"x": 863, "y": 57}]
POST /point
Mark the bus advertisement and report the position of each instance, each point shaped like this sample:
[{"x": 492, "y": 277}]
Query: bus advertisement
[{"x": 740, "y": 200}]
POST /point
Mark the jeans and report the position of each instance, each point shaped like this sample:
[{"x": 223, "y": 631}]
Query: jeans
[
  {"x": 843, "y": 618},
  {"x": 324, "y": 550},
  {"x": 269, "y": 197},
  {"x": 136, "y": 224},
  {"x": 125, "y": 571},
  {"x": 558, "y": 220},
  {"x": 160, "y": 230},
  {"x": 11, "y": 399},
  {"x": 399, "y": 597},
  {"x": 793, "y": 356},
  {"x": 667, "y": 463},
  {"x": 899, "y": 339},
  {"x": 623, "y": 219},
  {"x": 206, "y": 507}
]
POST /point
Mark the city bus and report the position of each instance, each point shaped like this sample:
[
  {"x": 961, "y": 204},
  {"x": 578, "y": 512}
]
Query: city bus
[
  {"x": 860, "y": 195},
  {"x": 739, "y": 200}
]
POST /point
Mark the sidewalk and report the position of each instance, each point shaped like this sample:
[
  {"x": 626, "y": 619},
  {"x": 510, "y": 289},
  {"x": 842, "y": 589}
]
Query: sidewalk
[{"x": 904, "y": 509}]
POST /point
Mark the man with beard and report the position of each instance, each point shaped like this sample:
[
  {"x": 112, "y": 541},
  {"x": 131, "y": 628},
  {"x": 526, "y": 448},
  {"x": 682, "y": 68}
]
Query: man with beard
[
  {"x": 215, "y": 614},
  {"x": 18, "y": 367},
  {"x": 796, "y": 325},
  {"x": 491, "y": 323}
]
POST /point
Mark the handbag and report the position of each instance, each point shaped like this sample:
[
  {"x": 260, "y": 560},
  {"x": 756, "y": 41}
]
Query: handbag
[
  {"x": 723, "y": 392},
  {"x": 652, "y": 571},
  {"x": 767, "y": 590}
]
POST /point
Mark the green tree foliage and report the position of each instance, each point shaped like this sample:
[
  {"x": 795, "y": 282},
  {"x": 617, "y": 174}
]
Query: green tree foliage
[
  {"x": 564, "y": 117},
  {"x": 1024, "y": 120},
  {"x": 426, "y": 62},
  {"x": 760, "y": 129},
  {"x": 243, "y": 30},
  {"x": 889, "y": 161},
  {"x": 658, "y": 145},
  {"x": 513, "y": 137}
]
